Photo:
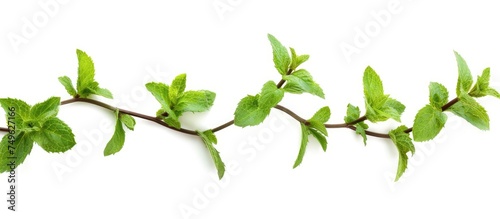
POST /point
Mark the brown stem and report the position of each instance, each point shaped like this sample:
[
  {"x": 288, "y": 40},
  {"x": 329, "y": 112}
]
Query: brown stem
[
  {"x": 138, "y": 115},
  {"x": 4, "y": 129}
]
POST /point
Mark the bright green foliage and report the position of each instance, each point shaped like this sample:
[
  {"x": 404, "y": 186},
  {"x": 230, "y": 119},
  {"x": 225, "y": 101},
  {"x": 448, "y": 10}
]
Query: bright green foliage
[
  {"x": 253, "y": 110},
  {"x": 353, "y": 113},
  {"x": 297, "y": 60},
  {"x": 248, "y": 112},
  {"x": 464, "y": 76},
  {"x": 37, "y": 124},
  {"x": 404, "y": 145},
  {"x": 281, "y": 57},
  {"x": 270, "y": 95},
  {"x": 482, "y": 87},
  {"x": 315, "y": 126},
  {"x": 428, "y": 123},
  {"x": 470, "y": 110},
  {"x": 54, "y": 136},
  {"x": 379, "y": 107},
  {"x": 22, "y": 144},
  {"x": 117, "y": 141},
  {"x": 430, "y": 120},
  {"x": 175, "y": 101},
  {"x": 128, "y": 121},
  {"x": 303, "y": 145},
  {"x": 210, "y": 139},
  {"x": 85, "y": 84},
  {"x": 301, "y": 81},
  {"x": 438, "y": 95},
  {"x": 68, "y": 84},
  {"x": 194, "y": 101}
]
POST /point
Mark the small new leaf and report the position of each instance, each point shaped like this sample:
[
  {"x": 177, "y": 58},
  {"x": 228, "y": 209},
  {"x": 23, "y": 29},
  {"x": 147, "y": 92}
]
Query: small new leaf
[
  {"x": 248, "y": 112},
  {"x": 19, "y": 150},
  {"x": 86, "y": 72},
  {"x": 117, "y": 141},
  {"x": 361, "y": 128},
  {"x": 465, "y": 79},
  {"x": 404, "y": 145},
  {"x": 68, "y": 85},
  {"x": 320, "y": 137},
  {"x": 379, "y": 107},
  {"x": 319, "y": 119},
  {"x": 128, "y": 121},
  {"x": 209, "y": 139},
  {"x": 353, "y": 113},
  {"x": 297, "y": 60},
  {"x": 428, "y": 123},
  {"x": 303, "y": 145},
  {"x": 96, "y": 90},
  {"x": 270, "y": 95},
  {"x": 160, "y": 92},
  {"x": 482, "y": 87},
  {"x": 472, "y": 111},
  {"x": 301, "y": 81},
  {"x": 55, "y": 136},
  {"x": 86, "y": 84},
  {"x": 195, "y": 101},
  {"x": 373, "y": 88},
  {"x": 322, "y": 115},
  {"x": 177, "y": 87},
  {"x": 280, "y": 55},
  {"x": 438, "y": 95}
]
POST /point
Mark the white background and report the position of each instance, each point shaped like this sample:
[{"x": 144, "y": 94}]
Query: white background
[{"x": 160, "y": 171}]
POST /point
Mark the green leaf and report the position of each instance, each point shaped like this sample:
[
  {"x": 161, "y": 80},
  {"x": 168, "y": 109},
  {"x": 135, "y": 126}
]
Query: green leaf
[
  {"x": 361, "y": 128},
  {"x": 379, "y": 107},
  {"x": 280, "y": 55},
  {"x": 248, "y": 112},
  {"x": 320, "y": 137},
  {"x": 493, "y": 92},
  {"x": 86, "y": 71},
  {"x": 117, "y": 141},
  {"x": 22, "y": 109},
  {"x": 209, "y": 139},
  {"x": 322, "y": 115},
  {"x": 20, "y": 149},
  {"x": 68, "y": 85},
  {"x": 128, "y": 121},
  {"x": 45, "y": 110},
  {"x": 55, "y": 136},
  {"x": 319, "y": 119},
  {"x": 385, "y": 109},
  {"x": 270, "y": 95},
  {"x": 404, "y": 145},
  {"x": 393, "y": 109},
  {"x": 465, "y": 79},
  {"x": 173, "y": 122},
  {"x": 303, "y": 145},
  {"x": 160, "y": 92},
  {"x": 353, "y": 113},
  {"x": 297, "y": 60},
  {"x": 101, "y": 92},
  {"x": 471, "y": 111},
  {"x": 177, "y": 87},
  {"x": 301, "y": 81},
  {"x": 373, "y": 88},
  {"x": 438, "y": 95},
  {"x": 195, "y": 101},
  {"x": 428, "y": 123},
  {"x": 318, "y": 126},
  {"x": 482, "y": 87}
]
